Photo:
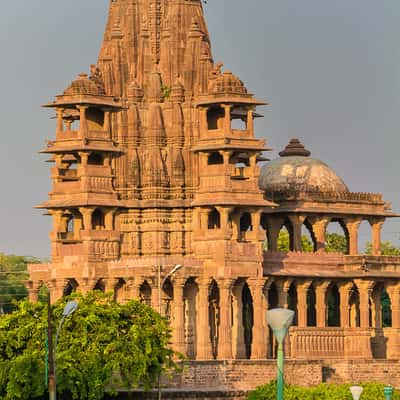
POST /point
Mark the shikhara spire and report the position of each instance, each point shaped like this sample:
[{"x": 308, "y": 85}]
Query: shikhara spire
[{"x": 143, "y": 36}]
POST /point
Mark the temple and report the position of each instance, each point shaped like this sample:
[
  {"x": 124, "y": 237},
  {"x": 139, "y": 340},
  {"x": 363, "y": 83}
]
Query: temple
[{"x": 161, "y": 192}]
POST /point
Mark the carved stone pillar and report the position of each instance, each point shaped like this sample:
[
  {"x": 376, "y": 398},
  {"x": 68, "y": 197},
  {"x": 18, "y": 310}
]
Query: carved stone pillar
[
  {"x": 283, "y": 287},
  {"x": 257, "y": 234},
  {"x": 365, "y": 288},
  {"x": 344, "y": 292},
  {"x": 204, "y": 350},
  {"x": 224, "y": 213},
  {"x": 393, "y": 290},
  {"x": 376, "y": 225},
  {"x": 110, "y": 284},
  {"x": 227, "y": 119},
  {"x": 377, "y": 309},
  {"x": 60, "y": 122},
  {"x": 352, "y": 227},
  {"x": 250, "y": 122},
  {"x": 225, "y": 326},
  {"x": 83, "y": 121},
  {"x": 109, "y": 219},
  {"x": 274, "y": 226},
  {"x": 239, "y": 350},
  {"x": 302, "y": 289},
  {"x": 297, "y": 223},
  {"x": 178, "y": 327},
  {"x": 259, "y": 343},
  {"x": 320, "y": 302},
  {"x": 87, "y": 217},
  {"x": 319, "y": 228},
  {"x": 33, "y": 291},
  {"x": 203, "y": 120}
]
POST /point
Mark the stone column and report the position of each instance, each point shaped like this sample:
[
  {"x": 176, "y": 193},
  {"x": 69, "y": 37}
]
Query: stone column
[
  {"x": 109, "y": 219},
  {"x": 283, "y": 287},
  {"x": 224, "y": 213},
  {"x": 259, "y": 343},
  {"x": 256, "y": 224},
  {"x": 319, "y": 228},
  {"x": 376, "y": 225},
  {"x": 250, "y": 122},
  {"x": 33, "y": 291},
  {"x": 225, "y": 325},
  {"x": 87, "y": 217},
  {"x": 352, "y": 227},
  {"x": 393, "y": 290},
  {"x": 107, "y": 124},
  {"x": 203, "y": 121},
  {"x": 302, "y": 289},
  {"x": 320, "y": 302},
  {"x": 239, "y": 350},
  {"x": 297, "y": 223},
  {"x": 344, "y": 292},
  {"x": 377, "y": 311},
  {"x": 178, "y": 327},
  {"x": 204, "y": 351},
  {"x": 83, "y": 121},
  {"x": 274, "y": 226},
  {"x": 365, "y": 288},
  {"x": 60, "y": 122},
  {"x": 227, "y": 119}
]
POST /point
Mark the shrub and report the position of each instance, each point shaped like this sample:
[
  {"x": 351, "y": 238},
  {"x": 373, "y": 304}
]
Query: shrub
[{"x": 372, "y": 391}]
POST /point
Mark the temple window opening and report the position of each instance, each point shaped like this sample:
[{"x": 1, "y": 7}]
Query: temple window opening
[
  {"x": 70, "y": 287},
  {"x": 215, "y": 158},
  {"x": 215, "y": 118},
  {"x": 96, "y": 159},
  {"x": 98, "y": 220},
  {"x": 333, "y": 303},
  {"x": 214, "y": 317},
  {"x": 145, "y": 293},
  {"x": 292, "y": 302},
  {"x": 311, "y": 303},
  {"x": 247, "y": 319},
  {"x": 214, "y": 220}
]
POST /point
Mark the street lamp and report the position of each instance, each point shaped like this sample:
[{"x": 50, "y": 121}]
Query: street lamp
[
  {"x": 160, "y": 285},
  {"x": 69, "y": 309},
  {"x": 356, "y": 392},
  {"x": 280, "y": 319},
  {"x": 388, "y": 391}
]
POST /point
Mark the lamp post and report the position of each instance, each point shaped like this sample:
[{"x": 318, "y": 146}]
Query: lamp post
[
  {"x": 356, "y": 392},
  {"x": 69, "y": 309},
  {"x": 388, "y": 391},
  {"x": 160, "y": 285},
  {"x": 280, "y": 319}
]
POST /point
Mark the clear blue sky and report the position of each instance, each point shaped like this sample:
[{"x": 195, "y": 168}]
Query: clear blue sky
[{"x": 330, "y": 69}]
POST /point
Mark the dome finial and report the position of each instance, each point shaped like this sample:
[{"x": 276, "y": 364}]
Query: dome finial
[{"x": 295, "y": 148}]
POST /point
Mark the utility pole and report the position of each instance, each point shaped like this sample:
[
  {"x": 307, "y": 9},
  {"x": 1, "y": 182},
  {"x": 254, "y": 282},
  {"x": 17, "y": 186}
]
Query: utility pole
[{"x": 52, "y": 378}]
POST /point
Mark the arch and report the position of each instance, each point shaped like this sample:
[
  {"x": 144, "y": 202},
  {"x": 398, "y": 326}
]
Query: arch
[
  {"x": 215, "y": 117},
  {"x": 167, "y": 298},
  {"x": 308, "y": 240},
  {"x": 215, "y": 158},
  {"x": 286, "y": 237},
  {"x": 100, "y": 285},
  {"x": 213, "y": 307},
  {"x": 247, "y": 319},
  {"x": 273, "y": 296},
  {"x": 120, "y": 295},
  {"x": 214, "y": 219},
  {"x": 386, "y": 309},
  {"x": 292, "y": 301},
  {"x": 70, "y": 287},
  {"x": 145, "y": 293},
  {"x": 333, "y": 305},
  {"x": 311, "y": 310},
  {"x": 354, "y": 305},
  {"x": 245, "y": 225},
  {"x": 96, "y": 158},
  {"x": 337, "y": 237},
  {"x": 98, "y": 220},
  {"x": 190, "y": 292}
]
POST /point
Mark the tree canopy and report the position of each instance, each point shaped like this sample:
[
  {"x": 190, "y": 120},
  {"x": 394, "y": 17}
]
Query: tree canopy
[
  {"x": 103, "y": 346},
  {"x": 13, "y": 273}
]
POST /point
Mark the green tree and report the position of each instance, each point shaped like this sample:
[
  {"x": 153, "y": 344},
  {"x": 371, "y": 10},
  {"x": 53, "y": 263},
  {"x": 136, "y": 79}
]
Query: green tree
[
  {"x": 387, "y": 249},
  {"x": 336, "y": 243},
  {"x": 13, "y": 274},
  {"x": 103, "y": 346}
]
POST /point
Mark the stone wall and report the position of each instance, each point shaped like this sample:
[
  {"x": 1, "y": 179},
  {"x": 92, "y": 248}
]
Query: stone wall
[
  {"x": 243, "y": 375},
  {"x": 357, "y": 371}
]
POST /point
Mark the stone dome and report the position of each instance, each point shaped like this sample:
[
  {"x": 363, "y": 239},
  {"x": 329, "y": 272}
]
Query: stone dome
[
  {"x": 295, "y": 170},
  {"x": 227, "y": 83},
  {"x": 83, "y": 85}
]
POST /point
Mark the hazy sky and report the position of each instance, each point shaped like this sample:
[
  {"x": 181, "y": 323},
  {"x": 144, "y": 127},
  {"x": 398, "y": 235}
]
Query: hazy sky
[{"x": 330, "y": 69}]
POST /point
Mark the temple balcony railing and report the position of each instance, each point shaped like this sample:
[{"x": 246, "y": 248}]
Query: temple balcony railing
[
  {"x": 300, "y": 192},
  {"x": 328, "y": 264}
]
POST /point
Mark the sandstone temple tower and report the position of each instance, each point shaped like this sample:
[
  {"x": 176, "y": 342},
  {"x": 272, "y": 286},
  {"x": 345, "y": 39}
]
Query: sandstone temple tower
[{"x": 155, "y": 164}]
